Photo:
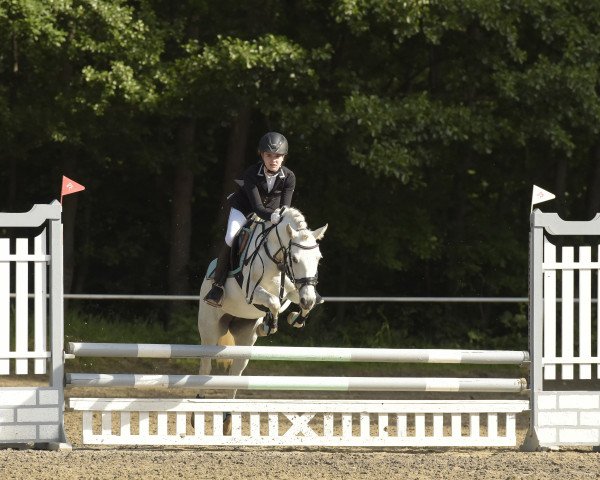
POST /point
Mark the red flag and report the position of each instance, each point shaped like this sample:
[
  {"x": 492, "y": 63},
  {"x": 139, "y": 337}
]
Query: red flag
[{"x": 69, "y": 186}]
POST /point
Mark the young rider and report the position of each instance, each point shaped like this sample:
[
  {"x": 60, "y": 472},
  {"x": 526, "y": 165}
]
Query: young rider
[{"x": 267, "y": 186}]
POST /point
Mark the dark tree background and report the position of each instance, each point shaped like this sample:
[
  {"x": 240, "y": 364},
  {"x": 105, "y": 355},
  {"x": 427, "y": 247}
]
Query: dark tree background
[{"x": 416, "y": 129}]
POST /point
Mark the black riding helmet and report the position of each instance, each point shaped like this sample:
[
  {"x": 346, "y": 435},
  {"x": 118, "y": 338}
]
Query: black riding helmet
[{"x": 273, "y": 142}]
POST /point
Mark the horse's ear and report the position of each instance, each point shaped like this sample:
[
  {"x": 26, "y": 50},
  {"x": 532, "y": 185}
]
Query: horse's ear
[
  {"x": 319, "y": 232},
  {"x": 291, "y": 232}
]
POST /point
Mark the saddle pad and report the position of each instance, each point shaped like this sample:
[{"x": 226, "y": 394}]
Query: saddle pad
[
  {"x": 210, "y": 271},
  {"x": 212, "y": 266}
]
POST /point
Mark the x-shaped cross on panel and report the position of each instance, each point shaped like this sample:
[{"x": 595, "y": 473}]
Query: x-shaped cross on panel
[{"x": 300, "y": 425}]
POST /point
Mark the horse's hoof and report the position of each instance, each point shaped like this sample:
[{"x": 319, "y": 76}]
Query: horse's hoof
[
  {"x": 294, "y": 321},
  {"x": 262, "y": 330}
]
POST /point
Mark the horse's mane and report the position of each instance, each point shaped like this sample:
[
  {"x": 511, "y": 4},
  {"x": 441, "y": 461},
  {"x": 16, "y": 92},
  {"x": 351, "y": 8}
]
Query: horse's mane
[{"x": 296, "y": 218}]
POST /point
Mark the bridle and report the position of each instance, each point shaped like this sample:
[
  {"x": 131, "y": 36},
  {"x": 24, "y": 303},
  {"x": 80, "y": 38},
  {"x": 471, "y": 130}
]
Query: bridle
[{"x": 285, "y": 265}]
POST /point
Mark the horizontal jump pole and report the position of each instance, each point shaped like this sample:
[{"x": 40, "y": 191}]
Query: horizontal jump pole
[
  {"x": 317, "y": 354},
  {"x": 345, "y": 384}
]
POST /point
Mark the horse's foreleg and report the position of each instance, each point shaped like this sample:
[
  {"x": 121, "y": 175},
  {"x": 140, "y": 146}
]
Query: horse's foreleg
[{"x": 262, "y": 297}]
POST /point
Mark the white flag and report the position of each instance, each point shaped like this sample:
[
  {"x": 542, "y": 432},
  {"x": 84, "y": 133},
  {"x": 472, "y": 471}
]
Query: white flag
[{"x": 540, "y": 195}]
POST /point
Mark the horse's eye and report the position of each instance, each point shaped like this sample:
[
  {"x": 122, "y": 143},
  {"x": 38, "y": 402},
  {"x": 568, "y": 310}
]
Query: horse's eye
[{"x": 295, "y": 259}]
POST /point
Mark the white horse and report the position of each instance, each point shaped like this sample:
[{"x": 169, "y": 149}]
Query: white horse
[{"x": 288, "y": 251}]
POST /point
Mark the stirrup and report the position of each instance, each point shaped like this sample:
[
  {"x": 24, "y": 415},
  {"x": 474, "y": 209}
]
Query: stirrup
[{"x": 215, "y": 296}]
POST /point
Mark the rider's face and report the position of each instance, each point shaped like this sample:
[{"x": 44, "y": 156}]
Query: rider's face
[{"x": 272, "y": 161}]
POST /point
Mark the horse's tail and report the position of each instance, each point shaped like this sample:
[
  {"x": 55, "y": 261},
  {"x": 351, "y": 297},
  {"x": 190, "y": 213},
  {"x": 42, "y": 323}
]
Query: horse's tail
[{"x": 226, "y": 340}]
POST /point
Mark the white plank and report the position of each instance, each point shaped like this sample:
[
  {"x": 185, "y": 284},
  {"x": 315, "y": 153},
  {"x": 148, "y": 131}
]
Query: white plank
[
  {"x": 106, "y": 423},
  {"x": 365, "y": 425},
  {"x": 199, "y": 424},
  {"x": 40, "y": 303},
  {"x": 236, "y": 424},
  {"x": 401, "y": 425},
  {"x": 87, "y": 427},
  {"x": 22, "y": 308},
  {"x": 570, "y": 265},
  {"x": 316, "y": 441},
  {"x": 585, "y": 313},
  {"x": 254, "y": 424},
  {"x": 305, "y": 406},
  {"x": 474, "y": 425},
  {"x": 218, "y": 424},
  {"x": 273, "y": 425},
  {"x": 162, "y": 423},
  {"x": 568, "y": 335},
  {"x": 511, "y": 427},
  {"x": 328, "y": 425},
  {"x": 144, "y": 424},
  {"x": 419, "y": 425},
  {"x": 4, "y": 307},
  {"x": 456, "y": 422},
  {"x": 549, "y": 310},
  {"x": 125, "y": 424},
  {"x": 492, "y": 428},
  {"x": 346, "y": 425},
  {"x": 180, "y": 423}
]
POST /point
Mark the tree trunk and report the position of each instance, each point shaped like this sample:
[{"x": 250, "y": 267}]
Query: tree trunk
[
  {"x": 234, "y": 161},
  {"x": 593, "y": 206},
  {"x": 181, "y": 211}
]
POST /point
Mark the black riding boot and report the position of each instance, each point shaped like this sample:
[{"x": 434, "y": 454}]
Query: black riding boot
[{"x": 215, "y": 296}]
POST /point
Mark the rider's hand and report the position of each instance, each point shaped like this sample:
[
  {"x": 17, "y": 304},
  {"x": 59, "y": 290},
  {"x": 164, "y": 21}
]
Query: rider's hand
[{"x": 275, "y": 217}]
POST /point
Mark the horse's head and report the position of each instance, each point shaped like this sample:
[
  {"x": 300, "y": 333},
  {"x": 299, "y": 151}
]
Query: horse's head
[{"x": 303, "y": 256}]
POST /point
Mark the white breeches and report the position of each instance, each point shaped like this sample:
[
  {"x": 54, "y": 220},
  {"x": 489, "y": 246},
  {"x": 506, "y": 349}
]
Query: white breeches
[{"x": 235, "y": 222}]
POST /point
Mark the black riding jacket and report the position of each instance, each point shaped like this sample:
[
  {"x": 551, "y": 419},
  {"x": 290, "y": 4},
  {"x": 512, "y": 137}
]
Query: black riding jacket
[{"x": 253, "y": 194}]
